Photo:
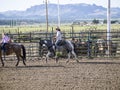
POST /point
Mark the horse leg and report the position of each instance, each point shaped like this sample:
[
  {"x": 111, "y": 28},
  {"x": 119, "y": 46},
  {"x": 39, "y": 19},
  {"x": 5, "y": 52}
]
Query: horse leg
[
  {"x": 2, "y": 59},
  {"x": 56, "y": 58},
  {"x": 46, "y": 59},
  {"x": 2, "y": 62},
  {"x": 18, "y": 60},
  {"x": 75, "y": 55},
  {"x": 69, "y": 54},
  {"x": 23, "y": 60},
  {"x": 4, "y": 55},
  {"x": 47, "y": 56}
]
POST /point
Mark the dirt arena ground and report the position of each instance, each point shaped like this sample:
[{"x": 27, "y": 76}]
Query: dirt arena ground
[{"x": 38, "y": 75}]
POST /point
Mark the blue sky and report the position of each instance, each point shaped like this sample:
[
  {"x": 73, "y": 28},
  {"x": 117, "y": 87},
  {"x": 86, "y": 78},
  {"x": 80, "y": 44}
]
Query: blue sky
[{"x": 6, "y": 5}]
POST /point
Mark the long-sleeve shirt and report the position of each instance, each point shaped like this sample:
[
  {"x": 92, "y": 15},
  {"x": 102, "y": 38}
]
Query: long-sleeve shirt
[
  {"x": 5, "y": 39},
  {"x": 58, "y": 36}
]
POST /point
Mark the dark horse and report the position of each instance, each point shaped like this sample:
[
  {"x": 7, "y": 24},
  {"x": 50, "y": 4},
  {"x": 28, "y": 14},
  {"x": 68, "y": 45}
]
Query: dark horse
[
  {"x": 13, "y": 48},
  {"x": 66, "y": 44}
]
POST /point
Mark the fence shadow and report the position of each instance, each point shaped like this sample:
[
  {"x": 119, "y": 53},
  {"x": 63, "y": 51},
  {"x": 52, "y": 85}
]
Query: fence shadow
[
  {"x": 99, "y": 62},
  {"x": 35, "y": 66}
]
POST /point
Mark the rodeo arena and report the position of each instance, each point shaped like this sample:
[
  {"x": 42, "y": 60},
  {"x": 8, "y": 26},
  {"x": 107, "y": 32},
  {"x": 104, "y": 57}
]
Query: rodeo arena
[{"x": 96, "y": 65}]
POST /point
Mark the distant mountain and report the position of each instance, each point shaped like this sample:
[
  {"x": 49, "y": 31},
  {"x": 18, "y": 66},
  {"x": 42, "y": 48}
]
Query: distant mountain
[
  {"x": 2, "y": 16},
  {"x": 67, "y": 12}
]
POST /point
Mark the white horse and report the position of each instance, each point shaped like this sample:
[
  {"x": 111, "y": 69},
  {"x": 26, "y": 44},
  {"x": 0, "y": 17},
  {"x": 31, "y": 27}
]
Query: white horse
[{"x": 66, "y": 44}]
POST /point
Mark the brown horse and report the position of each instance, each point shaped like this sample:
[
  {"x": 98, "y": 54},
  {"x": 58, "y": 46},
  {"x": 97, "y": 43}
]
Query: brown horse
[{"x": 13, "y": 48}]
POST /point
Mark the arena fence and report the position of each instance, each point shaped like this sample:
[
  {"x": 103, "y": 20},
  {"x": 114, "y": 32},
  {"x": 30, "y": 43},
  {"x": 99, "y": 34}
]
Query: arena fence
[{"x": 85, "y": 41}]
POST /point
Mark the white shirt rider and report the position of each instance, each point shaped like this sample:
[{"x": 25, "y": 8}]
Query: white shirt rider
[{"x": 58, "y": 35}]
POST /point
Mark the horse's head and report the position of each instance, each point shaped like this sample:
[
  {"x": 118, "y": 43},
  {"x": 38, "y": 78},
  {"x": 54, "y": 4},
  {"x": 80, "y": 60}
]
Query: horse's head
[
  {"x": 43, "y": 42},
  {"x": 47, "y": 43}
]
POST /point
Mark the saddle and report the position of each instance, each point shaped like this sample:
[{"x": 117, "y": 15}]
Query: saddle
[
  {"x": 61, "y": 42},
  {"x": 5, "y": 46}
]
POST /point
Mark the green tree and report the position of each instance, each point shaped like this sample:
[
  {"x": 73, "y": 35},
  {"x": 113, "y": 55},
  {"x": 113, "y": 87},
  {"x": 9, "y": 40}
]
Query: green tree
[
  {"x": 105, "y": 21},
  {"x": 95, "y": 21}
]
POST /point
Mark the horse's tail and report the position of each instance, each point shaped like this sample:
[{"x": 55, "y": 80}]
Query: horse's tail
[{"x": 24, "y": 52}]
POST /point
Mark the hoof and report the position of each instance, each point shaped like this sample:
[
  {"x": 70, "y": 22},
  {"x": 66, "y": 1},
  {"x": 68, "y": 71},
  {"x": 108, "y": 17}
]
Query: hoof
[
  {"x": 77, "y": 61},
  {"x": 24, "y": 64},
  {"x": 56, "y": 59},
  {"x": 3, "y": 65},
  {"x": 67, "y": 61}
]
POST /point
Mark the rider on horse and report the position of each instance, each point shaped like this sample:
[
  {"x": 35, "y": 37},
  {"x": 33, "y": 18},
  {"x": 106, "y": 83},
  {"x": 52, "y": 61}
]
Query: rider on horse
[
  {"x": 5, "y": 40},
  {"x": 60, "y": 41},
  {"x": 58, "y": 37}
]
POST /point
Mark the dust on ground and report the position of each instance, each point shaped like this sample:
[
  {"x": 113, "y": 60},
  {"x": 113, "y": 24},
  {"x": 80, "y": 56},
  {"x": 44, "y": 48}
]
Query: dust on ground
[{"x": 39, "y": 75}]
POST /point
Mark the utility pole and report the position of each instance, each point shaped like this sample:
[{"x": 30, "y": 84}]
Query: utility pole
[
  {"x": 46, "y": 3},
  {"x": 58, "y": 14},
  {"x": 109, "y": 26}
]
